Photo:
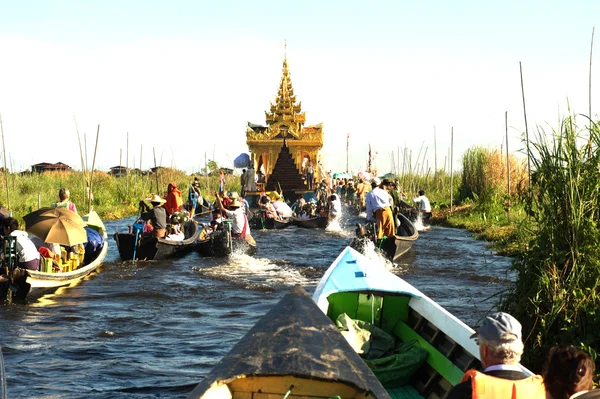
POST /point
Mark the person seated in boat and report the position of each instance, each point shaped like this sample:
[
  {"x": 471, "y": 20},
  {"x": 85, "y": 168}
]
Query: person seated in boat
[
  {"x": 500, "y": 349},
  {"x": 298, "y": 205},
  {"x": 174, "y": 201},
  {"x": 424, "y": 206},
  {"x": 157, "y": 216},
  {"x": 267, "y": 207},
  {"x": 569, "y": 373},
  {"x": 335, "y": 207},
  {"x": 64, "y": 200},
  {"x": 239, "y": 220},
  {"x": 322, "y": 194},
  {"x": 379, "y": 210},
  {"x": 175, "y": 233},
  {"x": 28, "y": 256},
  {"x": 282, "y": 208}
]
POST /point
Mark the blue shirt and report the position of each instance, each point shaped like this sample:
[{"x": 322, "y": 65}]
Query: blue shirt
[{"x": 376, "y": 199}]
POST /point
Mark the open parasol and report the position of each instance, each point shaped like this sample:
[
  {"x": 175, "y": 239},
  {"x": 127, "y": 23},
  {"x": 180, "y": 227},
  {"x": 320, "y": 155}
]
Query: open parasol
[{"x": 56, "y": 225}]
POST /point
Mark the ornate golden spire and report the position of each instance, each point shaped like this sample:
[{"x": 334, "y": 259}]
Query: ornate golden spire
[{"x": 285, "y": 113}]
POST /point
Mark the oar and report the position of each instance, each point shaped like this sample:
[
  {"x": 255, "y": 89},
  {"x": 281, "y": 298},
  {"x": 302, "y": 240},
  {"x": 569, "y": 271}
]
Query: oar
[{"x": 136, "y": 233}]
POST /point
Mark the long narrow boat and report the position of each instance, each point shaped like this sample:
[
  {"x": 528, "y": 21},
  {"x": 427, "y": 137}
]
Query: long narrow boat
[
  {"x": 151, "y": 248},
  {"x": 221, "y": 243},
  {"x": 313, "y": 222},
  {"x": 392, "y": 247},
  {"x": 44, "y": 280},
  {"x": 260, "y": 222},
  {"x": 364, "y": 290},
  {"x": 292, "y": 352}
]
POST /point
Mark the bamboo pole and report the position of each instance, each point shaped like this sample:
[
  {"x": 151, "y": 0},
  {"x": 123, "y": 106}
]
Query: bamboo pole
[
  {"x": 451, "y": 169},
  {"x": 435, "y": 158},
  {"x": 127, "y": 170},
  {"x": 81, "y": 156},
  {"x": 507, "y": 165},
  {"x": 526, "y": 131},
  {"x": 155, "y": 170},
  {"x": 92, "y": 171},
  {"x": 5, "y": 169},
  {"x": 590, "y": 95}
]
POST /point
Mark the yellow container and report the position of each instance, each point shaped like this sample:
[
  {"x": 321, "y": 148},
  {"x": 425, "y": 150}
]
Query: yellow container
[{"x": 47, "y": 265}]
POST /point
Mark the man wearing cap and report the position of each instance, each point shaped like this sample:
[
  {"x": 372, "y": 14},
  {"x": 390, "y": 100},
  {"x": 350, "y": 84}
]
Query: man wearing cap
[
  {"x": 500, "y": 350},
  {"x": 157, "y": 215},
  {"x": 378, "y": 208}
]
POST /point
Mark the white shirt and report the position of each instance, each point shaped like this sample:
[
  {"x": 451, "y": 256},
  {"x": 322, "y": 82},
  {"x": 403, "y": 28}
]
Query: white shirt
[
  {"x": 283, "y": 209},
  {"x": 335, "y": 208},
  {"x": 238, "y": 219},
  {"x": 376, "y": 199},
  {"x": 423, "y": 201},
  {"x": 26, "y": 249}
]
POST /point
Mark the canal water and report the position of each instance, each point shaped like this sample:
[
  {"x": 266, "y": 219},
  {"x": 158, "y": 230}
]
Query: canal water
[{"x": 155, "y": 329}]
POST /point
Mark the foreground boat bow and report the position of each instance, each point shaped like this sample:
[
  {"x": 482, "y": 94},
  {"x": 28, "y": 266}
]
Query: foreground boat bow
[{"x": 294, "y": 351}]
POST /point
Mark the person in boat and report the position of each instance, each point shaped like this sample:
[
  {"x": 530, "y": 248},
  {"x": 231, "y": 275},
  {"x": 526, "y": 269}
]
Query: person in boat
[
  {"x": 500, "y": 349},
  {"x": 157, "y": 216},
  {"x": 298, "y": 205},
  {"x": 175, "y": 233},
  {"x": 195, "y": 199},
  {"x": 361, "y": 192},
  {"x": 28, "y": 256},
  {"x": 321, "y": 193},
  {"x": 64, "y": 200},
  {"x": 350, "y": 193},
  {"x": 335, "y": 207},
  {"x": 174, "y": 201},
  {"x": 239, "y": 221},
  {"x": 379, "y": 210},
  {"x": 281, "y": 207},
  {"x": 424, "y": 206},
  {"x": 267, "y": 207},
  {"x": 569, "y": 373}
]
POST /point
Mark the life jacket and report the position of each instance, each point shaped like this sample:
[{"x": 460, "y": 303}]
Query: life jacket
[{"x": 487, "y": 386}]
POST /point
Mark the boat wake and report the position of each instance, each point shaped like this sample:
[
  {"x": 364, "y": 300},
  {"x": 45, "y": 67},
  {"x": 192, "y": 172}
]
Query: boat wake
[
  {"x": 370, "y": 251},
  {"x": 419, "y": 223},
  {"x": 254, "y": 273}
]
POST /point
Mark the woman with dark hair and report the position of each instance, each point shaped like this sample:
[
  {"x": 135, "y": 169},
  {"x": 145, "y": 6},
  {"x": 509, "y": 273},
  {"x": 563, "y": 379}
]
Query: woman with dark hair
[{"x": 569, "y": 373}]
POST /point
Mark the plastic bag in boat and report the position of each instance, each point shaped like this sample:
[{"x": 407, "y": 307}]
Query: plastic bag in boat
[
  {"x": 398, "y": 369},
  {"x": 369, "y": 341}
]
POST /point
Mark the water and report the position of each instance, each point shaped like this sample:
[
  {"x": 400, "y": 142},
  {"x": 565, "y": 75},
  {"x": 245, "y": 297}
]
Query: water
[{"x": 155, "y": 329}]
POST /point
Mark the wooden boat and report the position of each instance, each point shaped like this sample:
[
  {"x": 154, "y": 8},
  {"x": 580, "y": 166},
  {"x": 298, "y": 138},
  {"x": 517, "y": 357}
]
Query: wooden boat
[
  {"x": 293, "y": 352},
  {"x": 220, "y": 242},
  {"x": 259, "y": 222},
  {"x": 364, "y": 290},
  {"x": 48, "y": 279},
  {"x": 152, "y": 248},
  {"x": 392, "y": 247},
  {"x": 312, "y": 222}
]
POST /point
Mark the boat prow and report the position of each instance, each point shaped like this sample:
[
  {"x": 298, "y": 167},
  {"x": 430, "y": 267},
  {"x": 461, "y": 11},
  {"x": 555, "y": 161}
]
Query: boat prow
[
  {"x": 294, "y": 351},
  {"x": 365, "y": 290}
]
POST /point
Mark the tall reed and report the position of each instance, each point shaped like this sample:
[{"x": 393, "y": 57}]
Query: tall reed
[{"x": 555, "y": 296}]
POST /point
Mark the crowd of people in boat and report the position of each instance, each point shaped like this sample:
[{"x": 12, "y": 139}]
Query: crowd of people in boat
[{"x": 31, "y": 253}]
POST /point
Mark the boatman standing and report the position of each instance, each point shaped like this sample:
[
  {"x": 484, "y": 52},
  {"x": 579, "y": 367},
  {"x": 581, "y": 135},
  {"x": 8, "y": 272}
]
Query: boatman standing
[
  {"x": 424, "y": 206},
  {"x": 378, "y": 208},
  {"x": 500, "y": 350}
]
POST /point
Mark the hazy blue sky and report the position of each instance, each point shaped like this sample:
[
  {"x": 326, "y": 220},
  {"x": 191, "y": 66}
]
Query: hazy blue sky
[{"x": 185, "y": 77}]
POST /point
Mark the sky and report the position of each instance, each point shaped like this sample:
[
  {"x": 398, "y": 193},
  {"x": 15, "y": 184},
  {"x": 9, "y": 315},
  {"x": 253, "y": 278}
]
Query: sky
[{"x": 183, "y": 78}]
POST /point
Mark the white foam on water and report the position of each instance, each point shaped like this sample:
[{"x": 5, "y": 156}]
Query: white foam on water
[
  {"x": 371, "y": 252},
  {"x": 247, "y": 270},
  {"x": 419, "y": 223}
]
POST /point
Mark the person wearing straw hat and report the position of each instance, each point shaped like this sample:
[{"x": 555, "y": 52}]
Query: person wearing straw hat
[
  {"x": 239, "y": 220},
  {"x": 157, "y": 215}
]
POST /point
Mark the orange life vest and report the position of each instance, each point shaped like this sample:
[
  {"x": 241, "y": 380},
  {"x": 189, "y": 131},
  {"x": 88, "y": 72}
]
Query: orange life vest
[{"x": 487, "y": 386}]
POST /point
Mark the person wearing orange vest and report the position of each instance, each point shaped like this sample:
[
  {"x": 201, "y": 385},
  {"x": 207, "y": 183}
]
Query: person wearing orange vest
[{"x": 500, "y": 350}]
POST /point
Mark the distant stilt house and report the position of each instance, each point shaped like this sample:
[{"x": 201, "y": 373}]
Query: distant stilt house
[
  {"x": 50, "y": 167},
  {"x": 282, "y": 149},
  {"x": 118, "y": 171}
]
